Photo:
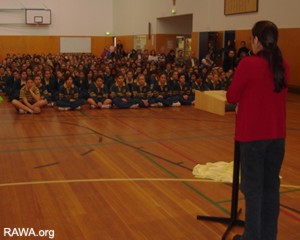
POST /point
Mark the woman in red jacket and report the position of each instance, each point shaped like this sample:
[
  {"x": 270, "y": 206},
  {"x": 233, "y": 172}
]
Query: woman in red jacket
[{"x": 259, "y": 88}]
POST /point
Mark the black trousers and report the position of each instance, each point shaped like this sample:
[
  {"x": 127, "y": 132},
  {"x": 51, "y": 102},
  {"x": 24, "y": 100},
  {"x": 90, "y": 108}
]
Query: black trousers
[{"x": 260, "y": 166}]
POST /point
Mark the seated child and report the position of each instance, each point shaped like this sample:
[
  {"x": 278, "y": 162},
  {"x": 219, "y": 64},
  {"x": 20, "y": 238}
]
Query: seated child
[
  {"x": 68, "y": 98},
  {"x": 141, "y": 91},
  {"x": 182, "y": 92},
  {"x": 162, "y": 94},
  {"x": 98, "y": 93},
  {"x": 29, "y": 99},
  {"x": 44, "y": 97},
  {"x": 120, "y": 94}
]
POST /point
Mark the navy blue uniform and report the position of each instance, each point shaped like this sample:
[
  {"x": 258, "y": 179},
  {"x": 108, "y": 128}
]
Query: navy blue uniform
[
  {"x": 179, "y": 92},
  {"x": 2, "y": 83},
  {"x": 141, "y": 93},
  {"x": 51, "y": 86},
  {"x": 108, "y": 80},
  {"x": 15, "y": 92},
  {"x": 66, "y": 94},
  {"x": 199, "y": 86},
  {"x": 9, "y": 82},
  {"x": 98, "y": 94},
  {"x": 83, "y": 86},
  {"x": 165, "y": 92},
  {"x": 43, "y": 92},
  {"x": 58, "y": 83},
  {"x": 214, "y": 86},
  {"x": 121, "y": 92}
]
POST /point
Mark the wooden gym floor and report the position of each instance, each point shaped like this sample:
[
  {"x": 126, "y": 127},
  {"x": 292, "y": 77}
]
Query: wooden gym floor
[{"x": 127, "y": 174}]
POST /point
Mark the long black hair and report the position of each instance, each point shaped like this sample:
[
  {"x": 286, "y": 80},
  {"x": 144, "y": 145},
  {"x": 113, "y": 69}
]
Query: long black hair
[{"x": 267, "y": 34}]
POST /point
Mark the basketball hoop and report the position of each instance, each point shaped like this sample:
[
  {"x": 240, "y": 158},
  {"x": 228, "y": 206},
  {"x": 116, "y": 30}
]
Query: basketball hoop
[
  {"x": 38, "y": 24},
  {"x": 38, "y": 20}
]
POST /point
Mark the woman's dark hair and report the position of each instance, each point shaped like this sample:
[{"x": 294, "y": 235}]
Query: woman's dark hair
[{"x": 267, "y": 34}]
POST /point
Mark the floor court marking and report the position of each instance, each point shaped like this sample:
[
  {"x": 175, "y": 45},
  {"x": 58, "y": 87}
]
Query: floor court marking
[
  {"x": 46, "y": 165},
  {"x": 162, "y": 144},
  {"x": 289, "y": 214},
  {"x": 119, "y": 180},
  {"x": 116, "y": 141},
  {"x": 289, "y": 208},
  {"x": 45, "y": 136},
  {"x": 107, "y": 180},
  {"x": 90, "y": 145},
  {"x": 87, "y": 152},
  {"x": 124, "y": 143},
  {"x": 184, "y": 181}
]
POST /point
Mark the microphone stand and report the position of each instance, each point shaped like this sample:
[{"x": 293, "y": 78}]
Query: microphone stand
[{"x": 233, "y": 220}]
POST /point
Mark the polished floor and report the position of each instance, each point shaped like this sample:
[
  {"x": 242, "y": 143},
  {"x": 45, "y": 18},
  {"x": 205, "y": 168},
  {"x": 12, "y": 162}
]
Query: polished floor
[{"x": 127, "y": 174}]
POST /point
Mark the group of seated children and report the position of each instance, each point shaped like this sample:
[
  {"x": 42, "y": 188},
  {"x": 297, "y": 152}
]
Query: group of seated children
[
  {"x": 33, "y": 95},
  {"x": 69, "y": 82}
]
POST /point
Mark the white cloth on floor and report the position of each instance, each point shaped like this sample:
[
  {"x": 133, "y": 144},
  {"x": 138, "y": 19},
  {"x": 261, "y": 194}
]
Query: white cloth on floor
[{"x": 218, "y": 171}]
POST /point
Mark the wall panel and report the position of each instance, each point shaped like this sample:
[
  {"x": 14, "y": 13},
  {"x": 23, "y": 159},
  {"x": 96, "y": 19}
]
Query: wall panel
[
  {"x": 289, "y": 44},
  {"x": 43, "y": 45},
  {"x": 166, "y": 42},
  {"x": 99, "y": 43},
  {"x": 127, "y": 42},
  {"x": 195, "y": 43},
  {"x": 28, "y": 44}
]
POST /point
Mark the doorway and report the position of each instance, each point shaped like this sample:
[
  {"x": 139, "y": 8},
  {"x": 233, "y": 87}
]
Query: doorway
[
  {"x": 183, "y": 44},
  {"x": 174, "y": 33}
]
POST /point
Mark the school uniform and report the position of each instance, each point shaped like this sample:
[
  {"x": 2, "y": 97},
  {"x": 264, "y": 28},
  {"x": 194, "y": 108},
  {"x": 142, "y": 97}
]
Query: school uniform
[
  {"x": 163, "y": 90},
  {"x": 214, "y": 86},
  {"x": 227, "y": 83},
  {"x": 130, "y": 83},
  {"x": 15, "y": 92},
  {"x": 119, "y": 92},
  {"x": 200, "y": 87},
  {"x": 9, "y": 82},
  {"x": 141, "y": 93},
  {"x": 50, "y": 85},
  {"x": 83, "y": 87},
  {"x": 188, "y": 80},
  {"x": 43, "y": 92},
  {"x": 179, "y": 91},
  {"x": 171, "y": 82},
  {"x": 2, "y": 83},
  {"x": 68, "y": 93},
  {"x": 108, "y": 80},
  {"x": 58, "y": 83},
  {"x": 98, "y": 94}
]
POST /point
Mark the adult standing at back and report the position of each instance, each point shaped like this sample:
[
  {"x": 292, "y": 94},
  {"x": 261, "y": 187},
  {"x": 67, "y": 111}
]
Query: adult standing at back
[
  {"x": 242, "y": 49},
  {"x": 230, "y": 61},
  {"x": 259, "y": 87}
]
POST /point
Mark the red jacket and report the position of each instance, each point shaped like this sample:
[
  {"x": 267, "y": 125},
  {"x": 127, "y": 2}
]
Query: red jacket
[{"x": 261, "y": 111}]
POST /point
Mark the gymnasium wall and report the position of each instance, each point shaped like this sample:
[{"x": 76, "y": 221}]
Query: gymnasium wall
[
  {"x": 128, "y": 42},
  {"x": 289, "y": 45},
  {"x": 208, "y": 15},
  {"x": 166, "y": 42},
  {"x": 128, "y": 18},
  {"x": 68, "y": 17},
  {"x": 44, "y": 45}
]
